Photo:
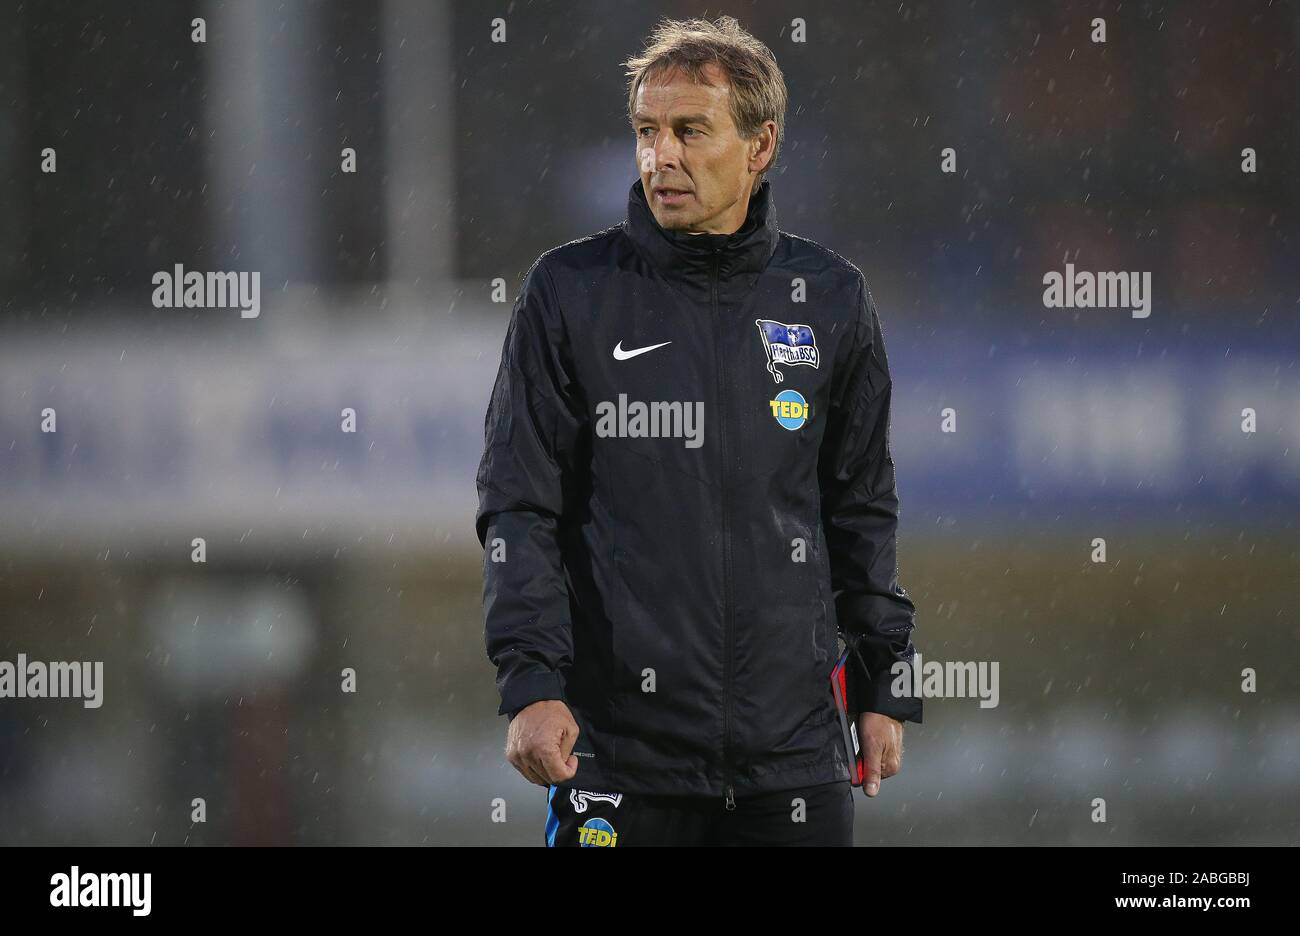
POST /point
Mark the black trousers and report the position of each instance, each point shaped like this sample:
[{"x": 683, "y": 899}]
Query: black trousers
[{"x": 814, "y": 815}]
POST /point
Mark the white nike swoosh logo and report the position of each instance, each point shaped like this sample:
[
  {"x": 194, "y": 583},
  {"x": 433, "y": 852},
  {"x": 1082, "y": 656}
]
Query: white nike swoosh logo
[{"x": 621, "y": 355}]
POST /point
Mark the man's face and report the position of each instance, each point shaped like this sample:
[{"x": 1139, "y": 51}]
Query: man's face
[{"x": 687, "y": 144}]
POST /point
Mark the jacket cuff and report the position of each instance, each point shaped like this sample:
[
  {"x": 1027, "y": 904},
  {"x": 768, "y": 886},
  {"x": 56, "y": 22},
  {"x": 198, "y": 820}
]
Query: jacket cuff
[
  {"x": 523, "y": 689},
  {"x": 880, "y": 698},
  {"x": 875, "y": 694}
]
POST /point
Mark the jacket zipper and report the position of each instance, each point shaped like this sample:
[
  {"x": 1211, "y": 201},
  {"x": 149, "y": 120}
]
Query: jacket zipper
[{"x": 727, "y": 623}]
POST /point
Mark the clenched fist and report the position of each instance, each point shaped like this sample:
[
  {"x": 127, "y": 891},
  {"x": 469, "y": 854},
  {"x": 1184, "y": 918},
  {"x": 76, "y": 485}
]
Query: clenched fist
[{"x": 540, "y": 742}]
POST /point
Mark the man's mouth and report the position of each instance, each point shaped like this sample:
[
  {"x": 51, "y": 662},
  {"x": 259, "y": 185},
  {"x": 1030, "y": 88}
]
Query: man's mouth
[{"x": 670, "y": 196}]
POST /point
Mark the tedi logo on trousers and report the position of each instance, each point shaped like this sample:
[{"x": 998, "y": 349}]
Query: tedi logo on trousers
[
  {"x": 597, "y": 833},
  {"x": 658, "y": 420},
  {"x": 1104, "y": 290}
]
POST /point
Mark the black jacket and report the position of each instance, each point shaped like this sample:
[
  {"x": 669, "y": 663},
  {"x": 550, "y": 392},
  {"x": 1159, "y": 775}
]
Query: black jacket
[{"x": 678, "y": 581}]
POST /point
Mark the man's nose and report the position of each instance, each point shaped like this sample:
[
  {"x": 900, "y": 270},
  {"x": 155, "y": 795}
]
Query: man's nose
[{"x": 665, "y": 153}]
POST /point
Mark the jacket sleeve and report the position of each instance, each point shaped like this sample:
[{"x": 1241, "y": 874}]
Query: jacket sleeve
[
  {"x": 860, "y": 520},
  {"x": 533, "y": 421}
]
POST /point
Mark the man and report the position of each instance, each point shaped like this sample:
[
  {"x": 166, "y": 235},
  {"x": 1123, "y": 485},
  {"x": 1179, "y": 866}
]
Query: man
[{"x": 687, "y": 487}]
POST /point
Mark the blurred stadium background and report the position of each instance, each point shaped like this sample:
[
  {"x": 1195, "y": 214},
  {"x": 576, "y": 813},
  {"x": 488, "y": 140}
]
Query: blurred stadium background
[{"x": 328, "y": 550}]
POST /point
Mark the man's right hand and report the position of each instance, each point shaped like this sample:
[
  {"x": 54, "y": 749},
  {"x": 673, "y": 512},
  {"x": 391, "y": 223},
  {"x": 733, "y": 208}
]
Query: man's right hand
[{"x": 540, "y": 742}]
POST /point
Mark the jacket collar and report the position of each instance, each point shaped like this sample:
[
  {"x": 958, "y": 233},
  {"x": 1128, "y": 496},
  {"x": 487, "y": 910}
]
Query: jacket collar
[{"x": 687, "y": 259}]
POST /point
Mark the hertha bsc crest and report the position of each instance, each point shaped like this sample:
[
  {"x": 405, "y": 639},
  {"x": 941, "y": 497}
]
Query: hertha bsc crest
[
  {"x": 786, "y": 344},
  {"x": 582, "y": 798}
]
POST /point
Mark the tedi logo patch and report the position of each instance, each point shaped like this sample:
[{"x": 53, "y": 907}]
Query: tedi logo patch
[
  {"x": 787, "y": 344},
  {"x": 790, "y": 409},
  {"x": 597, "y": 833}
]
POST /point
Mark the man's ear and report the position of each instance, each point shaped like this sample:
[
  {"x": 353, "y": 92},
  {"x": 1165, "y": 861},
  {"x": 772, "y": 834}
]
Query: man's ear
[{"x": 756, "y": 145}]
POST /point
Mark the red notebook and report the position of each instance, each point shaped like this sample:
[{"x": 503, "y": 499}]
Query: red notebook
[{"x": 848, "y": 720}]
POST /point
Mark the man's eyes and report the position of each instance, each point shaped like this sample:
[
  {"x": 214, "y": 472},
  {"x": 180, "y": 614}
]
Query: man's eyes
[{"x": 687, "y": 130}]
